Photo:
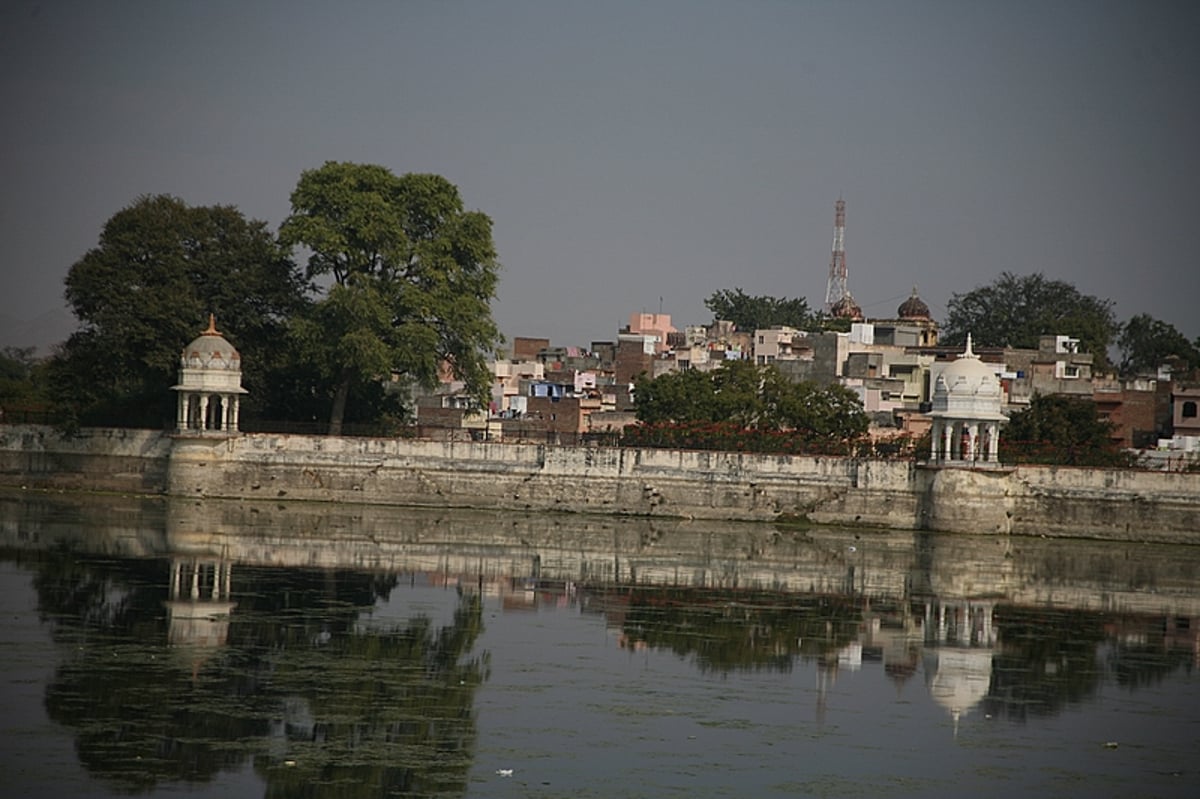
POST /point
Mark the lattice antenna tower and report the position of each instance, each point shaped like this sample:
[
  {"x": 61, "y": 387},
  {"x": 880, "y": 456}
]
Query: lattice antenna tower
[{"x": 836, "y": 289}]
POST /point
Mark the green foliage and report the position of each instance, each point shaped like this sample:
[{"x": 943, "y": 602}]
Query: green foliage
[
  {"x": 1147, "y": 343},
  {"x": 20, "y": 393},
  {"x": 729, "y": 630},
  {"x": 755, "y": 313},
  {"x": 413, "y": 278},
  {"x": 146, "y": 290},
  {"x": 1058, "y": 429},
  {"x": 1014, "y": 311},
  {"x": 751, "y": 397}
]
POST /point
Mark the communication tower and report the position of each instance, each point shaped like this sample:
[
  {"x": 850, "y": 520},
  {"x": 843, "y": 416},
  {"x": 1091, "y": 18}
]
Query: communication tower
[{"x": 836, "y": 288}]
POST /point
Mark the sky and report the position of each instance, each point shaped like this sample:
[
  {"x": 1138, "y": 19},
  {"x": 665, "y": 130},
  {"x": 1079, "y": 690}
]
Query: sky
[{"x": 636, "y": 155}]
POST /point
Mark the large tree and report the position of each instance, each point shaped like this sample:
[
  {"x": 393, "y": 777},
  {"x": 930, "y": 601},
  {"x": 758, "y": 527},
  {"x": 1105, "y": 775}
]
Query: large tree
[
  {"x": 752, "y": 313},
  {"x": 159, "y": 269},
  {"x": 412, "y": 278},
  {"x": 1147, "y": 343},
  {"x": 1060, "y": 429},
  {"x": 1015, "y": 310}
]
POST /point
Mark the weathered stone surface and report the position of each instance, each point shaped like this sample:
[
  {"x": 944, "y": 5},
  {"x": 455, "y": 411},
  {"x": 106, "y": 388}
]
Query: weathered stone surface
[{"x": 1096, "y": 503}]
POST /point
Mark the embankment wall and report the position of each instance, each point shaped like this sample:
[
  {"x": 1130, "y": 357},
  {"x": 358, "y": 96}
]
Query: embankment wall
[{"x": 1094, "y": 503}]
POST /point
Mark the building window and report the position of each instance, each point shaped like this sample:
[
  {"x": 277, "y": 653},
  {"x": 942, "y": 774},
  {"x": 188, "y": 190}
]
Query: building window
[
  {"x": 1072, "y": 371},
  {"x": 1189, "y": 410}
]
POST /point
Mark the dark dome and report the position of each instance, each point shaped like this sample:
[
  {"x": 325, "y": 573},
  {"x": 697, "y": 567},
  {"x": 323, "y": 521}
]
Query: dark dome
[
  {"x": 913, "y": 308},
  {"x": 846, "y": 308}
]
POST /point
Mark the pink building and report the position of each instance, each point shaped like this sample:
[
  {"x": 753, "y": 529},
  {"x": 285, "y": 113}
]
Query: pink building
[{"x": 653, "y": 324}]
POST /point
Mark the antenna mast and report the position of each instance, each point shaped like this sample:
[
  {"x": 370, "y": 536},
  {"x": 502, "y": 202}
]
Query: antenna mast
[{"x": 836, "y": 289}]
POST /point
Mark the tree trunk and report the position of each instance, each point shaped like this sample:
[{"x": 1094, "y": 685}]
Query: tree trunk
[{"x": 338, "y": 411}]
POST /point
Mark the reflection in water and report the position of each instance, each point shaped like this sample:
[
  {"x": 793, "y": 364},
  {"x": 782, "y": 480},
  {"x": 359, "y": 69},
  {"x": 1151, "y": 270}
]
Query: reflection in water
[
  {"x": 220, "y": 638},
  {"x": 321, "y": 704},
  {"x": 198, "y": 611}
]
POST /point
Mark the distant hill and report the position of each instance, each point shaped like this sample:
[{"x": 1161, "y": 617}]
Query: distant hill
[{"x": 44, "y": 331}]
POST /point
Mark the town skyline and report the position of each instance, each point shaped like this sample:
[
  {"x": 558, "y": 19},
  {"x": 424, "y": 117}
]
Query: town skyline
[{"x": 633, "y": 153}]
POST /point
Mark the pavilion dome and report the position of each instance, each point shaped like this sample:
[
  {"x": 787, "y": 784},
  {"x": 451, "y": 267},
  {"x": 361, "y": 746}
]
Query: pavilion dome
[
  {"x": 958, "y": 678},
  {"x": 846, "y": 308},
  {"x": 210, "y": 350},
  {"x": 913, "y": 308},
  {"x": 968, "y": 377}
]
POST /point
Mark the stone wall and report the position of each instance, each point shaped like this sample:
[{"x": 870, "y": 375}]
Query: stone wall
[
  {"x": 1115, "y": 504},
  {"x": 91, "y": 459}
]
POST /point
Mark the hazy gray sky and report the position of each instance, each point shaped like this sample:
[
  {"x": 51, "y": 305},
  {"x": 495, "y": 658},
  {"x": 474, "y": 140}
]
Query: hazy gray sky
[{"x": 628, "y": 151}]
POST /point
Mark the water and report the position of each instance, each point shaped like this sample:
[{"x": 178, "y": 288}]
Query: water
[{"x": 199, "y": 649}]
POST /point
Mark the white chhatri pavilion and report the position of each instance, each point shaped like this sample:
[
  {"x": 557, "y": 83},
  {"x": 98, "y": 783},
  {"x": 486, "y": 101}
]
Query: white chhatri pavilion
[
  {"x": 210, "y": 384},
  {"x": 966, "y": 411}
]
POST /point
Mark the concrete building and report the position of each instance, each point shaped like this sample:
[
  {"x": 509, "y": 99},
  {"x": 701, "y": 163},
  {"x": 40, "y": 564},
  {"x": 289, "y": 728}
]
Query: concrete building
[
  {"x": 1185, "y": 418},
  {"x": 781, "y": 343},
  {"x": 508, "y": 377},
  {"x": 1132, "y": 407},
  {"x": 655, "y": 325},
  {"x": 527, "y": 349},
  {"x": 635, "y": 356},
  {"x": 1055, "y": 367}
]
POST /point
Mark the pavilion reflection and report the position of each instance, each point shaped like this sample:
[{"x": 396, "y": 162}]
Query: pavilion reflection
[{"x": 200, "y": 604}]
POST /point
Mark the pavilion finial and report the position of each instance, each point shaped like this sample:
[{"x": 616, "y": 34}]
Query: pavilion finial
[{"x": 211, "y": 330}]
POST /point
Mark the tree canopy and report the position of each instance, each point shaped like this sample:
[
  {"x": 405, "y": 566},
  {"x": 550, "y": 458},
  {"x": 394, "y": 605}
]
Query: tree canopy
[
  {"x": 147, "y": 288},
  {"x": 413, "y": 276},
  {"x": 1147, "y": 343},
  {"x": 1060, "y": 429},
  {"x": 756, "y": 313},
  {"x": 751, "y": 396},
  {"x": 1015, "y": 310}
]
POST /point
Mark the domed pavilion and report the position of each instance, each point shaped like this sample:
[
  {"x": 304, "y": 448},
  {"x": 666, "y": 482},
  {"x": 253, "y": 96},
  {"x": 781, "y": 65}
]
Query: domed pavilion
[
  {"x": 210, "y": 384},
  {"x": 966, "y": 411}
]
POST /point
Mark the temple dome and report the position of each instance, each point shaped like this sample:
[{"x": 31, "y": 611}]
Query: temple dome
[
  {"x": 846, "y": 308},
  {"x": 913, "y": 308}
]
